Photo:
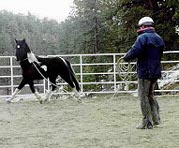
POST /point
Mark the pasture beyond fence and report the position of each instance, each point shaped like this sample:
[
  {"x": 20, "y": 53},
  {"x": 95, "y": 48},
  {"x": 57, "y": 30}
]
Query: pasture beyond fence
[{"x": 96, "y": 73}]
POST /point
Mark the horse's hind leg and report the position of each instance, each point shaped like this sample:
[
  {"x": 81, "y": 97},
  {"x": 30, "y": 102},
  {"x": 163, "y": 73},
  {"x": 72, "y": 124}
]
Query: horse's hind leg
[
  {"x": 73, "y": 78},
  {"x": 31, "y": 84},
  {"x": 17, "y": 90},
  {"x": 68, "y": 79},
  {"x": 77, "y": 87},
  {"x": 77, "y": 94}
]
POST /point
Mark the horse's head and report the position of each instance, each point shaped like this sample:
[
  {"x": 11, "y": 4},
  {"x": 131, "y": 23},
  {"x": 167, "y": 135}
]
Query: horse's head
[{"x": 21, "y": 50}]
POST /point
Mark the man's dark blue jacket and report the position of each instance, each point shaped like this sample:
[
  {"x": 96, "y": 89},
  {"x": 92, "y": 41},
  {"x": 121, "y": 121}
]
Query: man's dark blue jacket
[{"x": 148, "y": 49}]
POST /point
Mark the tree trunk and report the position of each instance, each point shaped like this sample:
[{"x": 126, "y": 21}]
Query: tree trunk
[{"x": 153, "y": 5}]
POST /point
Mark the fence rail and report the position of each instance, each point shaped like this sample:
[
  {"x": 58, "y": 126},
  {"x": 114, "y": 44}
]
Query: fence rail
[{"x": 96, "y": 74}]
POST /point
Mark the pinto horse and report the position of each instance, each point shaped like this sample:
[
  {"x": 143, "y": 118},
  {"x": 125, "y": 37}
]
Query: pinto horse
[{"x": 31, "y": 66}]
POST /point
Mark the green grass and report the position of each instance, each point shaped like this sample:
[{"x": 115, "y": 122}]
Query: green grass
[{"x": 102, "y": 122}]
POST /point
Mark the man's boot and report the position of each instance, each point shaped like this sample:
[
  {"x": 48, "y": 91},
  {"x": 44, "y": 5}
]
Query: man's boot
[
  {"x": 146, "y": 124},
  {"x": 155, "y": 113}
]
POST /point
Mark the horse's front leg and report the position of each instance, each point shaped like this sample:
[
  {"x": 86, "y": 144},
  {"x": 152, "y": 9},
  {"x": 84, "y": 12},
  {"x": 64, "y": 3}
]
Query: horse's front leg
[
  {"x": 35, "y": 92},
  {"x": 17, "y": 90},
  {"x": 49, "y": 93}
]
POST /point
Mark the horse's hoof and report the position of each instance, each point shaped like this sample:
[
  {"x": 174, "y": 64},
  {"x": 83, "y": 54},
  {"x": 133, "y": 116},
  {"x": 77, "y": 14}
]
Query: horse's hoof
[
  {"x": 41, "y": 101},
  {"x": 79, "y": 100}
]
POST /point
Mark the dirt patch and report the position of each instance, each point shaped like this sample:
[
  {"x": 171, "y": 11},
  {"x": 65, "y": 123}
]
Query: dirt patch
[{"x": 103, "y": 122}]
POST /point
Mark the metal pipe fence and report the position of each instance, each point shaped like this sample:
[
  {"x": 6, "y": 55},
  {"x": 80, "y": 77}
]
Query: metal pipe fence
[{"x": 96, "y": 74}]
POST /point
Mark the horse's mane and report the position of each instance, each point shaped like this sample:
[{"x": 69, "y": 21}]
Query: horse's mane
[{"x": 26, "y": 45}]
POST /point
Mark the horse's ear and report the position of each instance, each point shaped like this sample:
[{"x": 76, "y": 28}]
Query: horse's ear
[
  {"x": 24, "y": 40},
  {"x": 15, "y": 40}
]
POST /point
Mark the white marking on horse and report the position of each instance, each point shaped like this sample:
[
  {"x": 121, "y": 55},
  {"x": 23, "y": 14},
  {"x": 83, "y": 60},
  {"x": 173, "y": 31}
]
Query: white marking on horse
[
  {"x": 48, "y": 95},
  {"x": 13, "y": 95},
  {"x": 18, "y": 46},
  {"x": 32, "y": 58},
  {"x": 44, "y": 67}
]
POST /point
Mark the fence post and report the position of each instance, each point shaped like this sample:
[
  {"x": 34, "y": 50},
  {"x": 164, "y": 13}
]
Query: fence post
[
  {"x": 12, "y": 81},
  {"x": 44, "y": 81},
  {"x": 81, "y": 72},
  {"x": 114, "y": 67}
]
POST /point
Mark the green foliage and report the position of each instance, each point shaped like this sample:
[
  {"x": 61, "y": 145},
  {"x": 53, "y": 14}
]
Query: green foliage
[
  {"x": 42, "y": 35},
  {"x": 93, "y": 26}
]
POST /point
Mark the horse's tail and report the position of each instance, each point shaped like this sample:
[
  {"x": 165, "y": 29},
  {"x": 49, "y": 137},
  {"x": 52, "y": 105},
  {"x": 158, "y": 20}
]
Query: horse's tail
[{"x": 73, "y": 76}]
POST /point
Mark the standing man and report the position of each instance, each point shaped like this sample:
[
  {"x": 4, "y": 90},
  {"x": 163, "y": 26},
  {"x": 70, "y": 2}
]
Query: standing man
[{"x": 148, "y": 49}]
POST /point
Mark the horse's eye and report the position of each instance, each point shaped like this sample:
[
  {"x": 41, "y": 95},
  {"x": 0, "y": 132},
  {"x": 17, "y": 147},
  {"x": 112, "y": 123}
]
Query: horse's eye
[{"x": 18, "y": 46}]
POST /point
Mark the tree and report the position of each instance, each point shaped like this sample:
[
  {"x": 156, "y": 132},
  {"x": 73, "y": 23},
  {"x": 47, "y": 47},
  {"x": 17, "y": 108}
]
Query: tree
[{"x": 164, "y": 13}]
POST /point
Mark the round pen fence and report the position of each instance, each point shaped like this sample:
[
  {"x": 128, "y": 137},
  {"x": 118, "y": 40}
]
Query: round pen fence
[{"x": 96, "y": 73}]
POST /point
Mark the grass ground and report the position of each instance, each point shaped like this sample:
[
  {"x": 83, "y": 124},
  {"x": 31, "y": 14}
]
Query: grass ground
[{"x": 101, "y": 122}]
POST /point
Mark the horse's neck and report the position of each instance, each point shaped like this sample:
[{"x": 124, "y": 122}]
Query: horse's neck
[{"x": 25, "y": 64}]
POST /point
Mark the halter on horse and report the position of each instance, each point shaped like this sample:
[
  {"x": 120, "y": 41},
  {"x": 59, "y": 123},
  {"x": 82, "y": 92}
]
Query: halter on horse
[{"x": 31, "y": 70}]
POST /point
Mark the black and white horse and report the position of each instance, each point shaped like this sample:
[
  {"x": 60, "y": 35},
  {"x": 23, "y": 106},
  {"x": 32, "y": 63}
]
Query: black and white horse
[{"x": 32, "y": 70}]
